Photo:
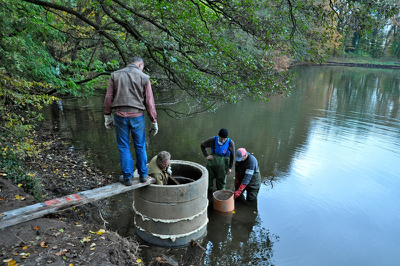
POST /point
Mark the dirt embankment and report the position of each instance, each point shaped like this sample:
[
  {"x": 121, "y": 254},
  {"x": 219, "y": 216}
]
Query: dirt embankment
[{"x": 67, "y": 237}]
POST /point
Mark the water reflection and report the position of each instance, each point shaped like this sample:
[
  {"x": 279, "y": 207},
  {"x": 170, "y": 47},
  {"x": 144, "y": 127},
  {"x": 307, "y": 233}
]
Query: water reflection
[{"x": 238, "y": 238}]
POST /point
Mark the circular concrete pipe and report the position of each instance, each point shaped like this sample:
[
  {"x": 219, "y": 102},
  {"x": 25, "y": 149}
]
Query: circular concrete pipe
[{"x": 173, "y": 215}]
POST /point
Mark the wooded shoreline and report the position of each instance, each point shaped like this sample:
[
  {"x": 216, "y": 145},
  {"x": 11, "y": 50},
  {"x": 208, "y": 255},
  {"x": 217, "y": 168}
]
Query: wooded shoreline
[{"x": 366, "y": 65}]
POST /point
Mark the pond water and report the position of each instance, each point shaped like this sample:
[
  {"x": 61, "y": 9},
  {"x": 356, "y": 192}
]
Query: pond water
[{"x": 329, "y": 157}]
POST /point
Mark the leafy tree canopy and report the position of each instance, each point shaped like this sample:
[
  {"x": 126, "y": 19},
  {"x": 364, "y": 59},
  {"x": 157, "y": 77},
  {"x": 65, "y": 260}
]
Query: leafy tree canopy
[{"x": 212, "y": 50}]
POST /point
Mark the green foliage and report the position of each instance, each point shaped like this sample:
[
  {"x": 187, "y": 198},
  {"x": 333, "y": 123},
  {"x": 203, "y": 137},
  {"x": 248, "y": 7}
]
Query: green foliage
[
  {"x": 219, "y": 51},
  {"x": 23, "y": 51},
  {"x": 212, "y": 51},
  {"x": 31, "y": 48},
  {"x": 11, "y": 166},
  {"x": 395, "y": 47},
  {"x": 364, "y": 25},
  {"x": 19, "y": 100},
  {"x": 359, "y": 55}
]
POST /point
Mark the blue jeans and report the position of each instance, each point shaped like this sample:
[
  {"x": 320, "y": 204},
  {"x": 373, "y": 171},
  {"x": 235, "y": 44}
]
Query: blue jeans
[{"x": 136, "y": 126}]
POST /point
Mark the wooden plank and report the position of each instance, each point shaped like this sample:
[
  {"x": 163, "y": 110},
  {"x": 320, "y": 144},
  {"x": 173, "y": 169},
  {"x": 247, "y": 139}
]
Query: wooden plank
[{"x": 34, "y": 211}]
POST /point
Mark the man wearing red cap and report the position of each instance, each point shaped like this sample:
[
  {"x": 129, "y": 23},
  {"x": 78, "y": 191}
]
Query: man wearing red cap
[
  {"x": 247, "y": 175},
  {"x": 220, "y": 161}
]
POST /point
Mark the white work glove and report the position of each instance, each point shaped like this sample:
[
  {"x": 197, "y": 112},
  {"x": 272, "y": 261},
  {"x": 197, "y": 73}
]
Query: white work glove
[
  {"x": 169, "y": 170},
  {"x": 153, "y": 129},
  {"x": 109, "y": 121}
]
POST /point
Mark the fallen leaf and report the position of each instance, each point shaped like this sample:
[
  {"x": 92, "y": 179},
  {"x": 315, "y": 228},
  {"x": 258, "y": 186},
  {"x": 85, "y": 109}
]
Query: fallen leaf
[
  {"x": 11, "y": 262},
  {"x": 160, "y": 260},
  {"x": 90, "y": 231},
  {"x": 62, "y": 252},
  {"x": 138, "y": 260},
  {"x": 20, "y": 185},
  {"x": 25, "y": 247},
  {"x": 43, "y": 244},
  {"x": 86, "y": 239},
  {"x": 101, "y": 231},
  {"x": 36, "y": 227}
]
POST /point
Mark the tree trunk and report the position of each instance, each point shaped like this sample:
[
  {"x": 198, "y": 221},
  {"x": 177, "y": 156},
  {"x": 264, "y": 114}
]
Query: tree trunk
[{"x": 386, "y": 44}]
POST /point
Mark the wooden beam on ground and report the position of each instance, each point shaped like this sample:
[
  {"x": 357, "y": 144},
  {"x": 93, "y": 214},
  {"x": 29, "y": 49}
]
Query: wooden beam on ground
[{"x": 34, "y": 211}]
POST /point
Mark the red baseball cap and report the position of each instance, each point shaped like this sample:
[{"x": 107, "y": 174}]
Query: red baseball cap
[{"x": 240, "y": 153}]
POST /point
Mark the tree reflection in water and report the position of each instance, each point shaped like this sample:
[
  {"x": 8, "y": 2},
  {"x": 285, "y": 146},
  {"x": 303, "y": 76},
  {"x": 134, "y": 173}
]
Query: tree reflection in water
[{"x": 238, "y": 239}]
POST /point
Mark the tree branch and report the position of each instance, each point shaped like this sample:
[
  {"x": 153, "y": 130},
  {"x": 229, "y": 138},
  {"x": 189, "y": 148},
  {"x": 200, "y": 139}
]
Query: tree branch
[
  {"x": 93, "y": 77},
  {"x": 83, "y": 18}
]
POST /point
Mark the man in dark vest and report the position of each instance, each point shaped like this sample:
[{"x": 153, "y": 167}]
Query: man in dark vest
[
  {"x": 220, "y": 161},
  {"x": 129, "y": 94}
]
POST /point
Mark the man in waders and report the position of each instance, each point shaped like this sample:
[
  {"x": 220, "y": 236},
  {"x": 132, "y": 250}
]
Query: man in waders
[
  {"x": 247, "y": 175},
  {"x": 220, "y": 161},
  {"x": 160, "y": 167}
]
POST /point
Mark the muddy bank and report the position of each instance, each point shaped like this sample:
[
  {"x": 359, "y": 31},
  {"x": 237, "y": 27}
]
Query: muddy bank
[{"x": 70, "y": 236}]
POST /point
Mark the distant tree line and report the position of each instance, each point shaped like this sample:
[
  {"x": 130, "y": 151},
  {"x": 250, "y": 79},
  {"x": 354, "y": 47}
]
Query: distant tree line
[{"x": 368, "y": 28}]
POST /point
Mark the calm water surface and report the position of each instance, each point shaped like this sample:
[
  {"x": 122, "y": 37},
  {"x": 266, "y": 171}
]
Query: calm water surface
[{"x": 329, "y": 155}]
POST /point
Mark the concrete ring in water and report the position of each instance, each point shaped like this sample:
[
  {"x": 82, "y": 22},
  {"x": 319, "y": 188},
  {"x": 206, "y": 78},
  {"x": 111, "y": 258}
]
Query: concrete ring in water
[{"x": 173, "y": 215}]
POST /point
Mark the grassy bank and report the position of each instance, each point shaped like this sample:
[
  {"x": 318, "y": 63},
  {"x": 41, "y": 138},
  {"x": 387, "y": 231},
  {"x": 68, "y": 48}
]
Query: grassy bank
[{"x": 364, "y": 60}]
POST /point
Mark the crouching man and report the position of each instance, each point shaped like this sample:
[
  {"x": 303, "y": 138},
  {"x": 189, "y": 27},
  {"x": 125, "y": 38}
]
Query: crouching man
[
  {"x": 160, "y": 167},
  {"x": 247, "y": 175}
]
